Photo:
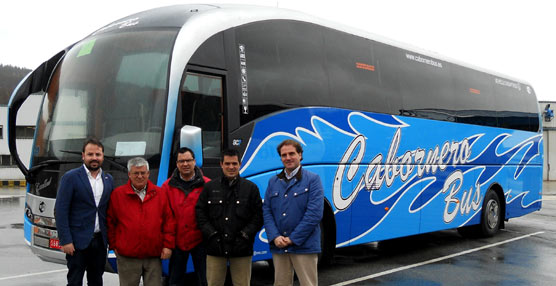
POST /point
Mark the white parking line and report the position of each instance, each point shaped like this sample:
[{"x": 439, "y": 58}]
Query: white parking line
[
  {"x": 11, "y": 196},
  {"x": 32, "y": 274},
  {"x": 434, "y": 260},
  {"x": 353, "y": 280}
]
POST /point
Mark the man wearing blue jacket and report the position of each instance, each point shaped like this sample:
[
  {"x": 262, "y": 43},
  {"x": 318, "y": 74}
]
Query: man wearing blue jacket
[
  {"x": 80, "y": 212},
  {"x": 292, "y": 210}
]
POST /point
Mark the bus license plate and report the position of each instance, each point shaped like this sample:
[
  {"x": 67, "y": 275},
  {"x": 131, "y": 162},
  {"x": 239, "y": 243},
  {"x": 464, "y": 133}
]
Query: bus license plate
[{"x": 55, "y": 243}]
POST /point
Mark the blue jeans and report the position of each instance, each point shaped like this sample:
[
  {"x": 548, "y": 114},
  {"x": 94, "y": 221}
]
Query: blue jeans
[{"x": 178, "y": 265}]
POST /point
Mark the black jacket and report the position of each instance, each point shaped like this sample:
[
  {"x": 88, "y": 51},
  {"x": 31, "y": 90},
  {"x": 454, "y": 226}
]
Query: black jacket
[
  {"x": 187, "y": 186},
  {"x": 229, "y": 216}
]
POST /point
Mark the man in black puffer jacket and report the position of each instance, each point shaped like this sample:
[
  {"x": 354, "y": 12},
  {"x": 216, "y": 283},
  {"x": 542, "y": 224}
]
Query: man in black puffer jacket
[{"x": 229, "y": 214}]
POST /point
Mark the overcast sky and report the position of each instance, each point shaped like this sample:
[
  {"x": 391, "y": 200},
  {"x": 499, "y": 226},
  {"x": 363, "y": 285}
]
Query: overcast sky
[{"x": 516, "y": 38}]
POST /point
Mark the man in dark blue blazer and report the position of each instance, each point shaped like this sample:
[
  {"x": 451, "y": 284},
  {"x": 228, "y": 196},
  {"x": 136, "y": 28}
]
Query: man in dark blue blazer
[{"x": 80, "y": 213}]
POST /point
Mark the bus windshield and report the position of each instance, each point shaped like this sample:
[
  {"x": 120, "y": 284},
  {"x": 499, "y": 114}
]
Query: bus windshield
[{"x": 111, "y": 86}]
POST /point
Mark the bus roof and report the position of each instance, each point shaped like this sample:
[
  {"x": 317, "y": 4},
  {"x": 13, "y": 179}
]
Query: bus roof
[{"x": 209, "y": 19}]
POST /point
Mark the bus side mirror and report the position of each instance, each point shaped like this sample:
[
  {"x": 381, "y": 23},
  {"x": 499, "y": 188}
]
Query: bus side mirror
[
  {"x": 191, "y": 137},
  {"x": 34, "y": 82}
]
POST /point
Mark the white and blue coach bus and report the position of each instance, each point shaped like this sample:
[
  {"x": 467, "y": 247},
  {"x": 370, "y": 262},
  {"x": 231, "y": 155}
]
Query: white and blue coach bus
[{"x": 405, "y": 141}]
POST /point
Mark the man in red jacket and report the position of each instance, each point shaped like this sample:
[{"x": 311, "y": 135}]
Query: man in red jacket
[
  {"x": 183, "y": 189},
  {"x": 141, "y": 227}
]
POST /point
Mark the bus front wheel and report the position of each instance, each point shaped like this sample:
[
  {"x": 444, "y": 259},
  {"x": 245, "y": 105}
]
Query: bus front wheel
[{"x": 327, "y": 236}]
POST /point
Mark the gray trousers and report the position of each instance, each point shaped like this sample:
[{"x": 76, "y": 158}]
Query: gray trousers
[{"x": 131, "y": 270}]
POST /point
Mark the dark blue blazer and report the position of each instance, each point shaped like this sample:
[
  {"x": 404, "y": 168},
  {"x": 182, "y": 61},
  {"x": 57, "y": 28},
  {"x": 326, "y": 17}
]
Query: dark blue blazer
[{"x": 76, "y": 210}]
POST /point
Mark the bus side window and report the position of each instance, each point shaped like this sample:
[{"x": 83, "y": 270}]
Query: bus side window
[{"x": 202, "y": 107}]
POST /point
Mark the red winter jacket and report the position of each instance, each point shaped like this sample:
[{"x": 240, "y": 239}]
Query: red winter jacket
[
  {"x": 138, "y": 228},
  {"x": 183, "y": 198}
]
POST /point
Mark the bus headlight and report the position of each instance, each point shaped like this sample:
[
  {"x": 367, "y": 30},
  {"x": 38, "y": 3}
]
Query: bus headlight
[
  {"x": 28, "y": 212},
  {"x": 44, "y": 221}
]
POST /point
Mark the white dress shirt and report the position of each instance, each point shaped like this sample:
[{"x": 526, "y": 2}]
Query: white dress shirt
[{"x": 98, "y": 187}]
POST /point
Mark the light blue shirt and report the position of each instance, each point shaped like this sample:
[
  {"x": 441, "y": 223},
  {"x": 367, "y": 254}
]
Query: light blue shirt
[{"x": 294, "y": 172}]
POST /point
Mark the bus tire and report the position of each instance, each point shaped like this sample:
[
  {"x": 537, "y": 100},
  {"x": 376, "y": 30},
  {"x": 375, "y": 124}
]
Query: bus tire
[
  {"x": 491, "y": 218},
  {"x": 327, "y": 236},
  {"x": 491, "y": 215}
]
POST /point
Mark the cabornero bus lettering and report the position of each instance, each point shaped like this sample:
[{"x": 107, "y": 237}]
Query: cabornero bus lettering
[{"x": 378, "y": 171}]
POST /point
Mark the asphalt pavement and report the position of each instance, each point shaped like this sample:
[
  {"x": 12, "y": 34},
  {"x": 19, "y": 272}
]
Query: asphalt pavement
[{"x": 526, "y": 261}]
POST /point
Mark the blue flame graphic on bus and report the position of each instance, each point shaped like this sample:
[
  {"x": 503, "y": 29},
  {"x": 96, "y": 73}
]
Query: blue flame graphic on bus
[{"x": 387, "y": 176}]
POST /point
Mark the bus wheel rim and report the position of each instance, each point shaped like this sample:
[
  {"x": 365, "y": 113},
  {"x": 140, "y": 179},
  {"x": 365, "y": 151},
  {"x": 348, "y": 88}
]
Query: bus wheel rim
[{"x": 492, "y": 214}]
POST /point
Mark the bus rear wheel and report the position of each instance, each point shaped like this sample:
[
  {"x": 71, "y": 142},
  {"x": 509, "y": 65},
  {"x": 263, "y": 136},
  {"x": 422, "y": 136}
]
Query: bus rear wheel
[{"x": 491, "y": 218}]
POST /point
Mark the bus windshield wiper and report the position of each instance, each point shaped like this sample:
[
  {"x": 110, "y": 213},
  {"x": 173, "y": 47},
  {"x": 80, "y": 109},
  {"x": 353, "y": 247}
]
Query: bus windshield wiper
[
  {"x": 31, "y": 177},
  {"x": 109, "y": 159},
  {"x": 49, "y": 163}
]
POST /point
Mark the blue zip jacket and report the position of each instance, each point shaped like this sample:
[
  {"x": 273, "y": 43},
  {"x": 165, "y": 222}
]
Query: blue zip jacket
[{"x": 293, "y": 208}]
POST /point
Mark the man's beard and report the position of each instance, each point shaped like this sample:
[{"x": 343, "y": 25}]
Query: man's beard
[{"x": 91, "y": 168}]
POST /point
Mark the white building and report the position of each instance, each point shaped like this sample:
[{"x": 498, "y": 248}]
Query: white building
[
  {"x": 26, "y": 122},
  {"x": 549, "y": 141}
]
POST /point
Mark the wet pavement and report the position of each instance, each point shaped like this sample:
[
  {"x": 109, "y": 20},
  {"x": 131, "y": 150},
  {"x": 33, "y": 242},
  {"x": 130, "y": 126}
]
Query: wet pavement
[
  {"x": 522, "y": 254},
  {"x": 18, "y": 265}
]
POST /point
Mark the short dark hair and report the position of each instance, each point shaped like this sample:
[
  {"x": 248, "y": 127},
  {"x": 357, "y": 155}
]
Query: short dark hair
[
  {"x": 291, "y": 142},
  {"x": 183, "y": 150},
  {"x": 230, "y": 153},
  {"x": 94, "y": 141}
]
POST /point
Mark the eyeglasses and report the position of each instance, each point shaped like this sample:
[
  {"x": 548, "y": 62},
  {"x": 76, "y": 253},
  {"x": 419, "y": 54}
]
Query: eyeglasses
[
  {"x": 185, "y": 161},
  {"x": 137, "y": 174}
]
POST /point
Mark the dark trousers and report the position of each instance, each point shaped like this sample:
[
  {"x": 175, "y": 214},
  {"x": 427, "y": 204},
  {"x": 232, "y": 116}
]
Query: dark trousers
[
  {"x": 178, "y": 266},
  {"x": 91, "y": 259}
]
